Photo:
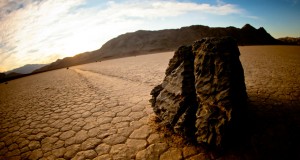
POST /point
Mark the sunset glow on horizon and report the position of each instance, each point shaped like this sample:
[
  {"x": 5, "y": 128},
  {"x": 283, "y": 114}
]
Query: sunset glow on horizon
[{"x": 42, "y": 31}]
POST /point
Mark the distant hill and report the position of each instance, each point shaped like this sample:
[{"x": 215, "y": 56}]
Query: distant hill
[
  {"x": 28, "y": 68},
  {"x": 290, "y": 40},
  {"x": 2, "y": 76},
  {"x": 82, "y": 58},
  {"x": 20, "y": 72},
  {"x": 144, "y": 42},
  {"x": 10, "y": 76},
  {"x": 167, "y": 40}
]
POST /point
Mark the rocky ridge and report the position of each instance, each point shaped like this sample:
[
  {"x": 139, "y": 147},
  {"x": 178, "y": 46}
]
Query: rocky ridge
[
  {"x": 290, "y": 40},
  {"x": 26, "y": 69},
  {"x": 145, "y": 42}
]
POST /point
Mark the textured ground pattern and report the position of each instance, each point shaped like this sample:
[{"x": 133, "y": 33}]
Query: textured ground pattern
[{"x": 101, "y": 111}]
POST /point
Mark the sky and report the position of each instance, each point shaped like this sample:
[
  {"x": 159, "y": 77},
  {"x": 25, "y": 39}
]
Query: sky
[{"x": 42, "y": 31}]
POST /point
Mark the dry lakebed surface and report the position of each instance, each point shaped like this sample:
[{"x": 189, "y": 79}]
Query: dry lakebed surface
[{"x": 101, "y": 110}]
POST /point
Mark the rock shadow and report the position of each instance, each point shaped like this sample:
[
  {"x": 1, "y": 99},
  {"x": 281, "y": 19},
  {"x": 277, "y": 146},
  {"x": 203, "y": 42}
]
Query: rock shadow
[{"x": 270, "y": 130}]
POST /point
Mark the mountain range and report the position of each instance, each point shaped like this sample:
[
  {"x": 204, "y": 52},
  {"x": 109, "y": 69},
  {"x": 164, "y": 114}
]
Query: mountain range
[
  {"x": 290, "y": 40},
  {"x": 28, "y": 68},
  {"x": 20, "y": 72},
  {"x": 145, "y": 42}
]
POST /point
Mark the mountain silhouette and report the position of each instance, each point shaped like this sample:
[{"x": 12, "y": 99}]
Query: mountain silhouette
[
  {"x": 290, "y": 40},
  {"x": 26, "y": 69},
  {"x": 20, "y": 72},
  {"x": 145, "y": 42}
]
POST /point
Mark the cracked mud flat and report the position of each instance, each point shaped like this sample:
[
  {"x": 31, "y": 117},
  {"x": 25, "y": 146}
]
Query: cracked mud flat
[{"x": 101, "y": 111}]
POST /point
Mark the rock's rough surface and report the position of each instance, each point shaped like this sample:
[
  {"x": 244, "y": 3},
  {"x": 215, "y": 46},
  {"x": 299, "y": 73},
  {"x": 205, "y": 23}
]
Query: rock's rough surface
[
  {"x": 203, "y": 90},
  {"x": 174, "y": 98},
  {"x": 220, "y": 87}
]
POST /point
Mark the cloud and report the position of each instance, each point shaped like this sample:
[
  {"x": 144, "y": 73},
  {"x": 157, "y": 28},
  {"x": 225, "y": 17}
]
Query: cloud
[
  {"x": 295, "y": 2},
  {"x": 153, "y": 9},
  {"x": 292, "y": 2},
  {"x": 252, "y": 17},
  {"x": 34, "y": 30}
]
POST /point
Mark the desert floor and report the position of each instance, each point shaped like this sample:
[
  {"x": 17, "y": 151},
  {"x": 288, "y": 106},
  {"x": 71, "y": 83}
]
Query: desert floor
[{"x": 101, "y": 111}]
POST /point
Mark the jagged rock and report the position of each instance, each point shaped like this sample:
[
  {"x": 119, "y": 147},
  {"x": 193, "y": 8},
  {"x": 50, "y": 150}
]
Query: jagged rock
[
  {"x": 203, "y": 91},
  {"x": 220, "y": 86},
  {"x": 174, "y": 98}
]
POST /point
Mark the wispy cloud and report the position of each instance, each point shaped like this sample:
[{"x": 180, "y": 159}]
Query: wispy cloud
[
  {"x": 154, "y": 9},
  {"x": 295, "y": 2},
  {"x": 32, "y": 31},
  {"x": 252, "y": 17},
  {"x": 292, "y": 2}
]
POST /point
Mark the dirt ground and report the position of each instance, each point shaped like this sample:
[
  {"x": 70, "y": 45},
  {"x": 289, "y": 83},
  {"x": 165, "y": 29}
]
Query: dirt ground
[{"x": 101, "y": 111}]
